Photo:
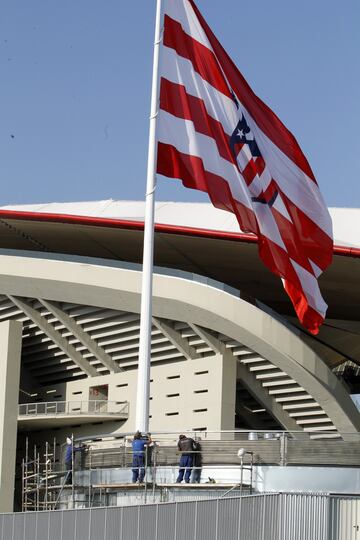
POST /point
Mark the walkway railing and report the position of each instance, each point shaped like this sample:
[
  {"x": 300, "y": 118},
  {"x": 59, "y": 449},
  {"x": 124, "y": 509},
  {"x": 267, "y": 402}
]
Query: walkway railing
[
  {"x": 221, "y": 447},
  {"x": 51, "y": 408},
  {"x": 104, "y": 466}
]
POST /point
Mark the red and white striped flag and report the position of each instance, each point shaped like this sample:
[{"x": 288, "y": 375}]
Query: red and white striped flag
[{"x": 217, "y": 136}]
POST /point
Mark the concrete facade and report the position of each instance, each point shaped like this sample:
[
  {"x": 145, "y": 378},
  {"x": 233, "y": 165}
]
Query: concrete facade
[
  {"x": 184, "y": 395},
  {"x": 10, "y": 359},
  {"x": 180, "y": 300},
  {"x": 194, "y": 394},
  {"x": 193, "y": 385}
]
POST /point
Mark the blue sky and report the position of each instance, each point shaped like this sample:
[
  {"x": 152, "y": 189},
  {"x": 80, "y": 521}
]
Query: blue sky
[{"x": 75, "y": 91}]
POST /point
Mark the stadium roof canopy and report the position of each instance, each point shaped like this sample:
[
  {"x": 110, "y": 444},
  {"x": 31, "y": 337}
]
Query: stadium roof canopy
[{"x": 200, "y": 239}]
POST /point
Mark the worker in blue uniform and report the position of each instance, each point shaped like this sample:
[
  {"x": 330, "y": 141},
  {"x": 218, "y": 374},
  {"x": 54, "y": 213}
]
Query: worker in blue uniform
[
  {"x": 139, "y": 445},
  {"x": 69, "y": 459}
]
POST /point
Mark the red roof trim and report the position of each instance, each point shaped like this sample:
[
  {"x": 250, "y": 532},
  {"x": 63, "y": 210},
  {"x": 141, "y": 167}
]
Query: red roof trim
[{"x": 139, "y": 225}]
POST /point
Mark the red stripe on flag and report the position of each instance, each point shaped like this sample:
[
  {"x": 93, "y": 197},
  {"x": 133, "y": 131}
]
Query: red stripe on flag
[
  {"x": 175, "y": 100},
  {"x": 191, "y": 171},
  {"x": 260, "y": 165},
  {"x": 277, "y": 260},
  {"x": 270, "y": 191},
  {"x": 308, "y": 317},
  {"x": 238, "y": 147},
  {"x": 264, "y": 117},
  {"x": 317, "y": 245},
  {"x": 203, "y": 59},
  {"x": 253, "y": 168},
  {"x": 303, "y": 238},
  {"x": 292, "y": 241}
]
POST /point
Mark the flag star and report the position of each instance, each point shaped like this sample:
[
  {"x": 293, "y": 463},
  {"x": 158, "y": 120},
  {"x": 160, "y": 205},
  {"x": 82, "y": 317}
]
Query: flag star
[{"x": 240, "y": 133}]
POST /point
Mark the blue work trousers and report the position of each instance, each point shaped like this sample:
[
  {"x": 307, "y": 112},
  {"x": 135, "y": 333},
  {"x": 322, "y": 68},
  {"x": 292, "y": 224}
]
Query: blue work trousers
[
  {"x": 185, "y": 466},
  {"x": 138, "y": 470},
  {"x": 68, "y": 476}
]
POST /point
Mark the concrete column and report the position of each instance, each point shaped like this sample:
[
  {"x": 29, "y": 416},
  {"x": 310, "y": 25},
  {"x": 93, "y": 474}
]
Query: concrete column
[
  {"x": 223, "y": 392},
  {"x": 228, "y": 391},
  {"x": 10, "y": 360}
]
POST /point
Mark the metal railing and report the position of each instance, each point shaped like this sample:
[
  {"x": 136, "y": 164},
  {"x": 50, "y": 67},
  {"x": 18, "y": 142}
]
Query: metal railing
[
  {"x": 327, "y": 448},
  {"x": 54, "y": 408}
]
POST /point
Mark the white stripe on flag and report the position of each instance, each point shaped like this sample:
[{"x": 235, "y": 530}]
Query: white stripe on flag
[
  {"x": 267, "y": 224},
  {"x": 179, "y": 70},
  {"x": 281, "y": 208},
  {"x": 311, "y": 289},
  {"x": 317, "y": 271}
]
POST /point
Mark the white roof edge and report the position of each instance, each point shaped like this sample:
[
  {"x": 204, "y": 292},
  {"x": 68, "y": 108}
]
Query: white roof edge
[{"x": 346, "y": 221}]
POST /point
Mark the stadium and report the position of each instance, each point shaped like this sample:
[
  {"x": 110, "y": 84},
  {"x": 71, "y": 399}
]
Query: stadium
[
  {"x": 158, "y": 380},
  {"x": 229, "y": 363}
]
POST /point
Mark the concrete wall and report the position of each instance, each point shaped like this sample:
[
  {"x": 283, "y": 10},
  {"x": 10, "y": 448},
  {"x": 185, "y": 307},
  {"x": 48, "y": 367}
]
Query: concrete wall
[
  {"x": 307, "y": 479},
  {"x": 183, "y": 395},
  {"x": 191, "y": 394}
]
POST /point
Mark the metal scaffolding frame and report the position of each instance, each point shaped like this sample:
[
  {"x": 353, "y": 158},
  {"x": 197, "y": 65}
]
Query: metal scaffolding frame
[
  {"x": 45, "y": 486},
  {"x": 41, "y": 489}
]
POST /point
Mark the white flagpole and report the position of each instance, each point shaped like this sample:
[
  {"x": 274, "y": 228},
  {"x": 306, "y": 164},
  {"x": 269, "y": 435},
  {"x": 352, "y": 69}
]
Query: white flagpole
[{"x": 143, "y": 383}]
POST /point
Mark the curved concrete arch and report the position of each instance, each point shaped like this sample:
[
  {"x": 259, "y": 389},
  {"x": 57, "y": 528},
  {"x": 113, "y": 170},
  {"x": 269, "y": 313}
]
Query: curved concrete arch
[{"x": 183, "y": 300}]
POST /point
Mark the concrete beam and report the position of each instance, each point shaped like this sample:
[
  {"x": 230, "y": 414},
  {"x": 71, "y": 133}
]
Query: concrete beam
[
  {"x": 210, "y": 340},
  {"x": 55, "y": 336},
  {"x": 249, "y": 380},
  {"x": 250, "y": 418},
  {"x": 175, "y": 338},
  {"x": 81, "y": 335},
  {"x": 10, "y": 361}
]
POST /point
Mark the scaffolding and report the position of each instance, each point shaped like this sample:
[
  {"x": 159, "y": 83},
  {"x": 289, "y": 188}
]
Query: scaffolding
[
  {"x": 43, "y": 478},
  {"x": 105, "y": 474}
]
